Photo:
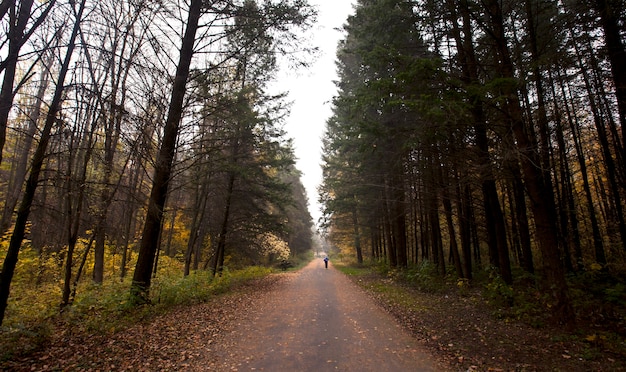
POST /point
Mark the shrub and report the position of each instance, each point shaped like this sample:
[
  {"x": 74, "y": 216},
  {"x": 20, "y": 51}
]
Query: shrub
[{"x": 425, "y": 278}]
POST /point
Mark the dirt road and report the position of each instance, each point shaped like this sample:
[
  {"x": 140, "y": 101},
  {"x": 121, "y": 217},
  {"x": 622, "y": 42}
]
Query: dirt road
[
  {"x": 314, "y": 319},
  {"x": 320, "y": 321}
]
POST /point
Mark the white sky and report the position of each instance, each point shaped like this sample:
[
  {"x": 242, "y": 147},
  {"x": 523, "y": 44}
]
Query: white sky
[{"x": 311, "y": 91}]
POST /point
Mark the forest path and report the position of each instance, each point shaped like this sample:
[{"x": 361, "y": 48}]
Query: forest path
[
  {"x": 319, "y": 321},
  {"x": 314, "y": 319}
]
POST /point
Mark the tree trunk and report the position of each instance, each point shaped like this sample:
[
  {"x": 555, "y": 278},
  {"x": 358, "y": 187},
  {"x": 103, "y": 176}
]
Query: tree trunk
[
  {"x": 465, "y": 210},
  {"x": 218, "y": 266},
  {"x": 582, "y": 163},
  {"x": 112, "y": 131},
  {"x": 164, "y": 162},
  {"x": 399, "y": 218},
  {"x": 570, "y": 229},
  {"x": 357, "y": 234},
  {"x": 454, "y": 249},
  {"x": 389, "y": 230},
  {"x": 494, "y": 217},
  {"x": 74, "y": 212},
  {"x": 616, "y": 211},
  {"x": 523, "y": 229}
]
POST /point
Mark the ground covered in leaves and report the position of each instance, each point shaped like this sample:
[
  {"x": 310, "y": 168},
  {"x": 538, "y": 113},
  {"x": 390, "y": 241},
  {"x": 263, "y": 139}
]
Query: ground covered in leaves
[
  {"x": 461, "y": 331},
  {"x": 471, "y": 335}
]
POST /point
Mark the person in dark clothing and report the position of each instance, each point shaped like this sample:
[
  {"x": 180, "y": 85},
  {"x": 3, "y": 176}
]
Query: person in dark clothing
[{"x": 326, "y": 262}]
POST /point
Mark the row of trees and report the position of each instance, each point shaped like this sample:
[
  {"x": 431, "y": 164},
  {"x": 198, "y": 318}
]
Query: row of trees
[
  {"x": 463, "y": 127},
  {"x": 145, "y": 127}
]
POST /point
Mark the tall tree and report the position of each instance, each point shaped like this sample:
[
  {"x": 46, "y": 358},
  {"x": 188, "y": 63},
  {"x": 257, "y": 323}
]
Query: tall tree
[
  {"x": 163, "y": 166},
  {"x": 538, "y": 186}
]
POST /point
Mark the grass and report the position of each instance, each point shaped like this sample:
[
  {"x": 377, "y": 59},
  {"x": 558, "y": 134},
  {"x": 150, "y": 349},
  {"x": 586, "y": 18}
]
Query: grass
[
  {"x": 107, "y": 308},
  {"x": 388, "y": 289},
  {"x": 353, "y": 270}
]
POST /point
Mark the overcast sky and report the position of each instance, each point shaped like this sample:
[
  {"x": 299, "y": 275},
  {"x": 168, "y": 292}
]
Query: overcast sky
[{"x": 311, "y": 91}]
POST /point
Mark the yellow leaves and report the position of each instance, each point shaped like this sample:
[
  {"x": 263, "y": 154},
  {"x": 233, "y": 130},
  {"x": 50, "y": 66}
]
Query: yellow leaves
[
  {"x": 595, "y": 266},
  {"x": 271, "y": 245},
  {"x": 592, "y": 338}
]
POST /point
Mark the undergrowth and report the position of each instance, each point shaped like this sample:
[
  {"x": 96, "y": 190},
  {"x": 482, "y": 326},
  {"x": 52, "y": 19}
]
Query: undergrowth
[
  {"x": 598, "y": 298},
  {"x": 34, "y": 314}
]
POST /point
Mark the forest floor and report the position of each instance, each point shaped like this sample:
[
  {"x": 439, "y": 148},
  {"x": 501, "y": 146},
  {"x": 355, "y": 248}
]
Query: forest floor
[
  {"x": 469, "y": 334},
  {"x": 460, "y": 332}
]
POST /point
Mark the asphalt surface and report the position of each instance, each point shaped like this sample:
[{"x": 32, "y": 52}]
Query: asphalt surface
[{"x": 320, "y": 321}]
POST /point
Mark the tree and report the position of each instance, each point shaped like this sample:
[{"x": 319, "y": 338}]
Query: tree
[
  {"x": 163, "y": 166},
  {"x": 610, "y": 13}
]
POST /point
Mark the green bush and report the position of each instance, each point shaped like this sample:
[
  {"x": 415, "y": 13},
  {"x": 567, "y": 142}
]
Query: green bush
[
  {"x": 616, "y": 294},
  {"x": 499, "y": 293},
  {"x": 425, "y": 278}
]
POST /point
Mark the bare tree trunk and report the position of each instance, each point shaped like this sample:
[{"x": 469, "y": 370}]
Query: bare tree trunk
[
  {"x": 357, "y": 234},
  {"x": 74, "y": 212},
  {"x": 164, "y": 163},
  {"x": 195, "y": 235},
  {"x": 447, "y": 208},
  {"x": 221, "y": 242},
  {"x": 115, "y": 110},
  {"x": 131, "y": 219},
  {"x": 464, "y": 210}
]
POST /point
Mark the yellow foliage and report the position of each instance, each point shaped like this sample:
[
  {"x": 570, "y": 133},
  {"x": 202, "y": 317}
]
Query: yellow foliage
[
  {"x": 36, "y": 285},
  {"x": 273, "y": 246},
  {"x": 595, "y": 266},
  {"x": 176, "y": 235}
]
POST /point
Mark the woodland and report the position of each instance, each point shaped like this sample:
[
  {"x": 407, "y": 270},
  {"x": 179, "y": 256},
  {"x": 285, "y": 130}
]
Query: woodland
[
  {"x": 485, "y": 139},
  {"x": 139, "y": 142},
  {"x": 474, "y": 142}
]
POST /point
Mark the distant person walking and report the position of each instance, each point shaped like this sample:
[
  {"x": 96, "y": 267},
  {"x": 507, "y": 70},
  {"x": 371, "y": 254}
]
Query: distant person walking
[{"x": 326, "y": 262}]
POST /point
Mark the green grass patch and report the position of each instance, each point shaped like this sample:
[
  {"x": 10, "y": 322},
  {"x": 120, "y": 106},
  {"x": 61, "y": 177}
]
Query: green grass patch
[
  {"x": 353, "y": 270},
  {"x": 385, "y": 288}
]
